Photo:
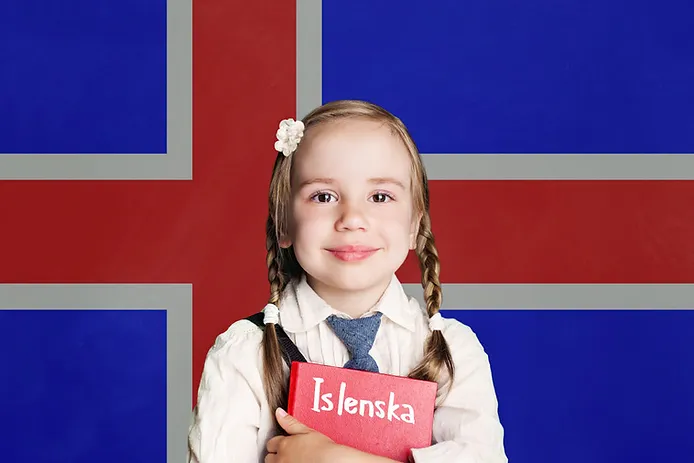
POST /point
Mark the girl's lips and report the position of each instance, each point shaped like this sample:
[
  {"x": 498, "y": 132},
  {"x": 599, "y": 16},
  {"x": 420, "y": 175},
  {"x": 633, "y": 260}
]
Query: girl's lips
[
  {"x": 352, "y": 248},
  {"x": 352, "y": 253}
]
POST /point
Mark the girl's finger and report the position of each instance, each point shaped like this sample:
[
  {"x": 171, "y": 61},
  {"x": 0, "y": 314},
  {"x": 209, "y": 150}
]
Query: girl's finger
[{"x": 273, "y": 444}]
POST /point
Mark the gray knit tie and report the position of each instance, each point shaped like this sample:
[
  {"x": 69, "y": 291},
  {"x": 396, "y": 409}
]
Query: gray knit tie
[{"x": 358, "y": 337}]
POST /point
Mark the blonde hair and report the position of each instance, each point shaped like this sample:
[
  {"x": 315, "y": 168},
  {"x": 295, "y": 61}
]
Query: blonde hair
[{"x": 283, "y": 265}]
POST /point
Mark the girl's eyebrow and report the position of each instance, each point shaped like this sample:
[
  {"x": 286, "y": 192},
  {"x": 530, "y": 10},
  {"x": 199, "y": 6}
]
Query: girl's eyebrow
[
  {"x": 386, "y": 180},
  {"x": 316, "y": 180}
]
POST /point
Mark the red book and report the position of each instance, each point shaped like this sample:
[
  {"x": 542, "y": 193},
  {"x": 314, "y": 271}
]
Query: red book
[{"x": 380, "y": 414}]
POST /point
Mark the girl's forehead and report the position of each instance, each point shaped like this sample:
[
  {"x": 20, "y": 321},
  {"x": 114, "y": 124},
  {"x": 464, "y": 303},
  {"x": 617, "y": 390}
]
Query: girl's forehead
[
  {"x": 359, "y": 129},
  {"x": 352, "y": 143}
]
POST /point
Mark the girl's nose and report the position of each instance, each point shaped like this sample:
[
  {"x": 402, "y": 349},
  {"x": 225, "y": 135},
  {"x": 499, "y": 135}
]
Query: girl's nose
[{"x": 352, "y": 217}]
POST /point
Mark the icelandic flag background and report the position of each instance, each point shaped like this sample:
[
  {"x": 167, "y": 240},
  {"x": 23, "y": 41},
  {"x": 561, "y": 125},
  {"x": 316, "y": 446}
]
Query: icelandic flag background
[{"x": 583, "y": 76}]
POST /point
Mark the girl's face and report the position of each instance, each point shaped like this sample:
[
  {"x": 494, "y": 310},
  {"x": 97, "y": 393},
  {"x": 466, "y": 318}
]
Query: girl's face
[{"x": 352, "y": 217}]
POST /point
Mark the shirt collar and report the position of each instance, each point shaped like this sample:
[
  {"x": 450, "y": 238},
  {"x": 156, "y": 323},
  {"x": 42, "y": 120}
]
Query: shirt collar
[{"x": 302, "y": 309}]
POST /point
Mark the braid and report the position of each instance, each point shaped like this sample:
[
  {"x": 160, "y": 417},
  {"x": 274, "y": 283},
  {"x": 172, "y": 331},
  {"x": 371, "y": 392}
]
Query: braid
[
  {"x": 273, "y": 373},
  {"x": 437, "y": 354},
  {"x": 429, "y": 265},
  {"x": 274, "y": 271}
]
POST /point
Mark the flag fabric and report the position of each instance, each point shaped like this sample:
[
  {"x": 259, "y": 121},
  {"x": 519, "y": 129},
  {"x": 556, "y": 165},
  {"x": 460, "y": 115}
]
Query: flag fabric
[{"x": 130, "y": 166}]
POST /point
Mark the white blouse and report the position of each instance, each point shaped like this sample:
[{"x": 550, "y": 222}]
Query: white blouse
[{"x": 232, "y": 421}]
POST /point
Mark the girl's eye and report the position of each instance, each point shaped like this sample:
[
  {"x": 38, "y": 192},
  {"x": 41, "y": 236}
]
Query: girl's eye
[
  {"x": 323, "y": 197},
  {"x": 381, "y": 198}
]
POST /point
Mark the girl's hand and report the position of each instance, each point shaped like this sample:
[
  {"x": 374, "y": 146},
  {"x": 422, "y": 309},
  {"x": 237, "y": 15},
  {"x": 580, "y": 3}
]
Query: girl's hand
[{"x": 303, "y": 444}]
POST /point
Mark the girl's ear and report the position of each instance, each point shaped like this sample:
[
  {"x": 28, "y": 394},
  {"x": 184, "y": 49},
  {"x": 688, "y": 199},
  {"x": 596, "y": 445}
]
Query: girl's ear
[
  {"x": 414, "y": 230},
  {"x": 285, "y": 242}
]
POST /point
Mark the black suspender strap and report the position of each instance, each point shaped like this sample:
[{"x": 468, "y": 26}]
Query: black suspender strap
[{"x": 290, "y": 352}]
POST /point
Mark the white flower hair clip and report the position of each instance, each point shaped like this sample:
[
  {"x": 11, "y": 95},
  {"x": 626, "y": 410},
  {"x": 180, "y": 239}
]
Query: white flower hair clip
[{"x": 288, "y": 136}]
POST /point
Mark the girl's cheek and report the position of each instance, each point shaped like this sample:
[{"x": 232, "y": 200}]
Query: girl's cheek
[
  {"x": 309, "y": 217},
  {"x": 395, "y": 214}
]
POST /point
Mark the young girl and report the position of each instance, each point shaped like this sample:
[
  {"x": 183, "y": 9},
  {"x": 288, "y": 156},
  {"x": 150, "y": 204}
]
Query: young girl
[{"x": 348, "y": 201}]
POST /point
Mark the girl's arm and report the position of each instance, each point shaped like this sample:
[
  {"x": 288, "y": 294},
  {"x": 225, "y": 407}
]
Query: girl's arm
[
  {"x": 466, "y": 425},
  {"x": 305, "y": 444},
  {"x": 227, "y": 416}
]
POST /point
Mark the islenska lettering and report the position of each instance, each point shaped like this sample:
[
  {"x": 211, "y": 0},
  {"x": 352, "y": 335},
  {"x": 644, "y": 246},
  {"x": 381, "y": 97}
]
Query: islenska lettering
[{"x": 363, "y": 407}]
